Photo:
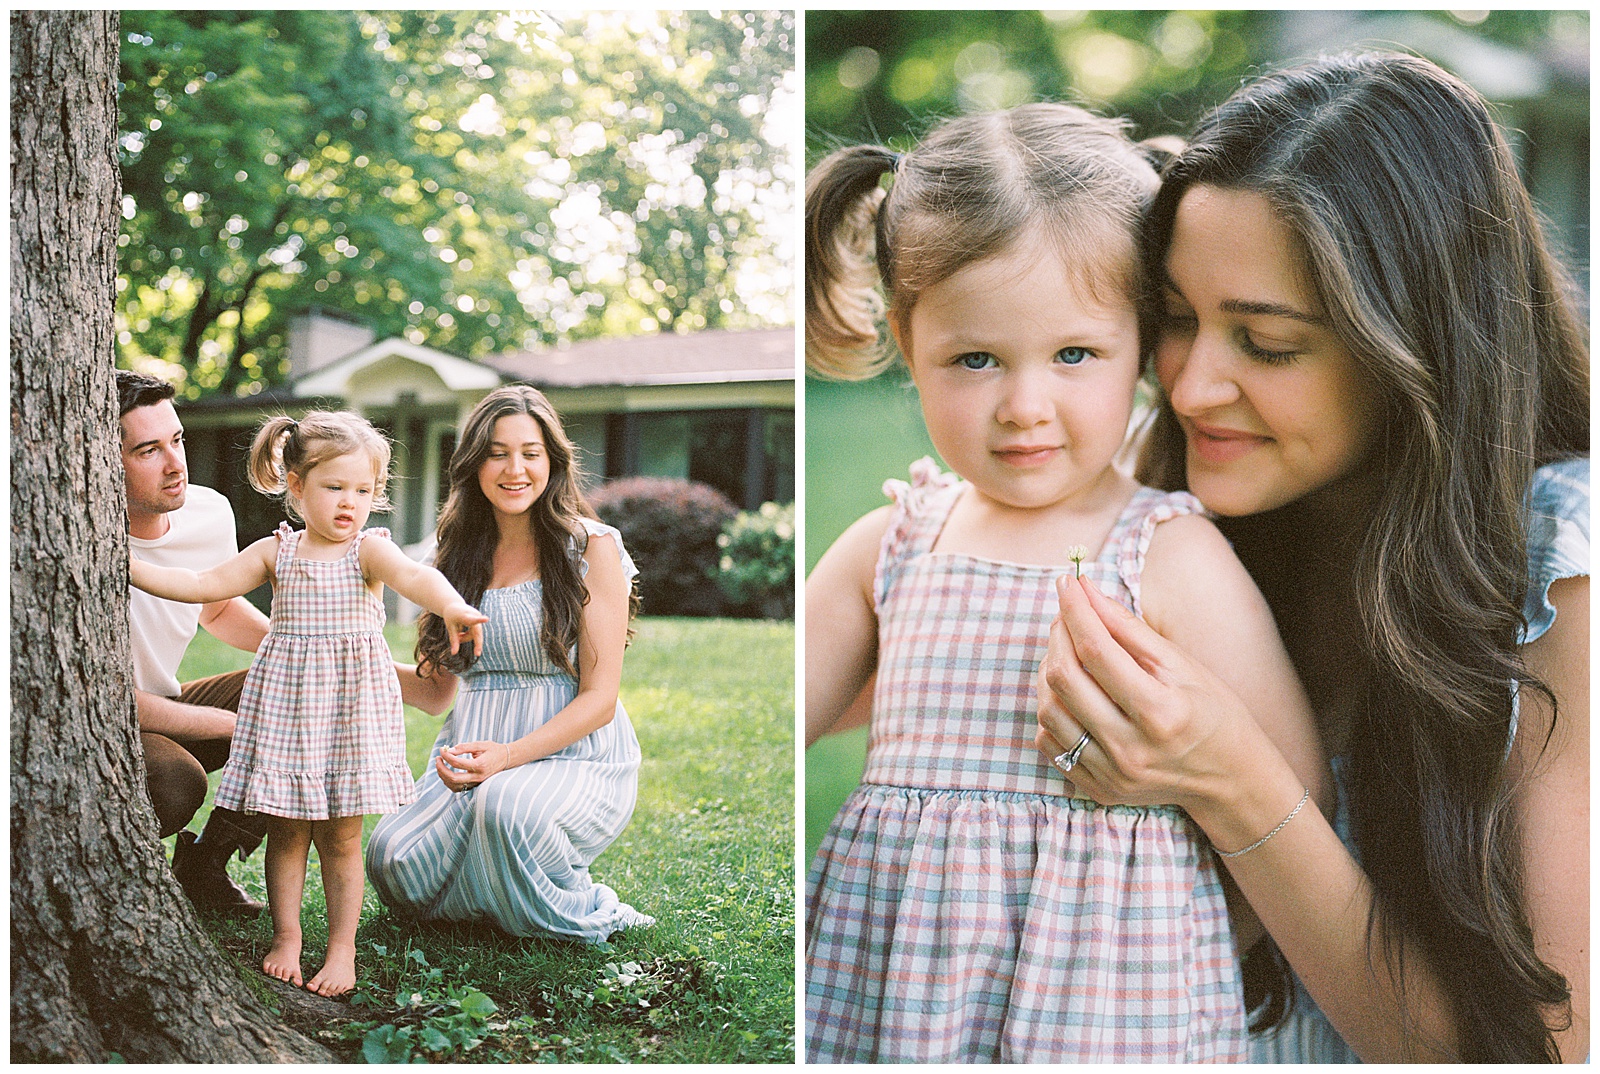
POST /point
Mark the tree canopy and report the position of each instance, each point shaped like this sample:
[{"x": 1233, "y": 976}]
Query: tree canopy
[
  {"x": 474, "y": 181},
  {"x": 889, "y": 73},
  {"x": 886, "y": 76}
]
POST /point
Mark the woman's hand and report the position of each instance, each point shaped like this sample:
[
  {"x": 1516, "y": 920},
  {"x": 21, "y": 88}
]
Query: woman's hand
[
  {"x": 1163, "y": 730},
  {"x": 465, "y": 766}
]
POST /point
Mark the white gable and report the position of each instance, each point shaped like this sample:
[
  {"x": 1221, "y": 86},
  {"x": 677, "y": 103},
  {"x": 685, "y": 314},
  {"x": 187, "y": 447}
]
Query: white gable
[{"x": 377, "y": 374}]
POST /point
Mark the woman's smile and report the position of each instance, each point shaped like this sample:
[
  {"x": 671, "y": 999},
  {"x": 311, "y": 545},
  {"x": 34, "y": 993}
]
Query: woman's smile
[{"x": 1219, "y": 444}]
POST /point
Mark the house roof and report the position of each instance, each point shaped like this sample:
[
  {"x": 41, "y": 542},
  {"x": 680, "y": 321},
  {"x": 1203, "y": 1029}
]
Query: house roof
[
  {"x": 458, "y": 374},
  {"x": 709, "y": 357}
]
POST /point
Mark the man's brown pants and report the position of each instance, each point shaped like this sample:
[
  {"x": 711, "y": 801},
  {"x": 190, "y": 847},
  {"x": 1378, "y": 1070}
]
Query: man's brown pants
[{"x": 175, "y": 770}]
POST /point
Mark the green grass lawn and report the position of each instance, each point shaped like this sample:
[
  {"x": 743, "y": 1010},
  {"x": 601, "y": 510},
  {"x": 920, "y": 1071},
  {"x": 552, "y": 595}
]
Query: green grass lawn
[{"x": 709, "y": 854}]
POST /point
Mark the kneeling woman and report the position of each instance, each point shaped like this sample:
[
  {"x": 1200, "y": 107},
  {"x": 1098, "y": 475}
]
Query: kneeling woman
[{"x": 536, "y": 770}]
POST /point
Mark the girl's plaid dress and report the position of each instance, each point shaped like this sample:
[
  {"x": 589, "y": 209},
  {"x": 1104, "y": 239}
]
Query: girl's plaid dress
[
  {"x": 321, "y": 732},
  {"x": 961, "y": 908}
]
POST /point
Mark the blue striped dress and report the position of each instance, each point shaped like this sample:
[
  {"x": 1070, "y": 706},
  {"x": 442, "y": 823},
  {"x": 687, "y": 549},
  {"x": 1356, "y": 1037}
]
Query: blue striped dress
[
  {"x": 516, "y": 849},
  {"x": 962, "y": 908},
  {"x": 1558, "y": 547}
]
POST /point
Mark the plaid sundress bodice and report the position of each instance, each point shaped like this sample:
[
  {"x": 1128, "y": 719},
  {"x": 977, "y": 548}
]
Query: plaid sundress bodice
[
  {"x": 960, "y": 640},
  {"x": 323, "y": 597}
]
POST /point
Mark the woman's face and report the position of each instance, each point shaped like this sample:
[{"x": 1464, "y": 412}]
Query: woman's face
[
  {"x": 517, "y": 469},
  {"x": 1272, "y": 405}
]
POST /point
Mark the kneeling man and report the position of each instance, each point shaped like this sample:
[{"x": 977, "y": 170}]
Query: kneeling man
[{"x": 186, "y": 728}]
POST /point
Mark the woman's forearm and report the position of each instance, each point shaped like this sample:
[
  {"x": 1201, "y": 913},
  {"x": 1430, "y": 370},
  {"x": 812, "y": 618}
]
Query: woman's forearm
[
  {"x": 586, "y": 713},
  {"x": 1316, "y": 902}
]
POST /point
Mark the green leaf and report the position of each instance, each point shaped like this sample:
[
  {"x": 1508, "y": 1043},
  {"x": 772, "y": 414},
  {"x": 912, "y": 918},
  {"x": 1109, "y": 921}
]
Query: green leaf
[
  {"x": 385, "y": 1044},
  {"x": 477, "y": 1005}
]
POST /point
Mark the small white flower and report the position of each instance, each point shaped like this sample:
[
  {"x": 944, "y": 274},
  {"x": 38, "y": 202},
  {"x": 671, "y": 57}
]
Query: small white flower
[{"x": 1077, "y": 554}]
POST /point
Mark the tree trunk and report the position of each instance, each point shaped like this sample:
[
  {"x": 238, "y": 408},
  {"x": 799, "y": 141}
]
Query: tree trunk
[{"x": 106, "y": 955}]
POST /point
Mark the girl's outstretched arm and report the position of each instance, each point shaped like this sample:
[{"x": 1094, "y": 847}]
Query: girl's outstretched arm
[
  {"x": 382, "y": 561},
  {"x": 601, "y": 640},
  {"x": 231, "y": 578},
  {"x": 842, "y": 625}
]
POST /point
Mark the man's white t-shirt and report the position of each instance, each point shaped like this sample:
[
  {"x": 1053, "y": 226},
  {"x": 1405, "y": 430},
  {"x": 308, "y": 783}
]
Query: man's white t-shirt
[{"x": 199, "y": 536}]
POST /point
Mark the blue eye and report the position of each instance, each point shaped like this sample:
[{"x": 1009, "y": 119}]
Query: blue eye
[
  {"x": 976, "y": 360},
  {"x": 1073, "y": 355}
]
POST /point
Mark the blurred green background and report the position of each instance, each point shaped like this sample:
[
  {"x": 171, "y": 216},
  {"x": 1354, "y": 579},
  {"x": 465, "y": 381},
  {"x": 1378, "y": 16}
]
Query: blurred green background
[{"x": 885, "y": 76}]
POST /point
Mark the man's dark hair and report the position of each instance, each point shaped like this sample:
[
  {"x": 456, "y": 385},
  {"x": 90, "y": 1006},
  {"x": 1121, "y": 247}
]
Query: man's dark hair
[{"x": 138, "y": 389}]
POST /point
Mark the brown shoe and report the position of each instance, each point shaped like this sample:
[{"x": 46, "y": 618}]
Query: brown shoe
[{"x": 203, "y": 874}]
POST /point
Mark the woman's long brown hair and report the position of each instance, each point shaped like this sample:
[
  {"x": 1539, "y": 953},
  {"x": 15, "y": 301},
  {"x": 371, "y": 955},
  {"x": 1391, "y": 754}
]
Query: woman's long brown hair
[
  {"x": 1435, "y": 273},
  {"x": 468, "y": 534}
]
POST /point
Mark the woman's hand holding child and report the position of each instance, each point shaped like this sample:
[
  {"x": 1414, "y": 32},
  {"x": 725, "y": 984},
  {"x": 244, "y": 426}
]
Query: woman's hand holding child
[{"x": 1163, "y": 728}]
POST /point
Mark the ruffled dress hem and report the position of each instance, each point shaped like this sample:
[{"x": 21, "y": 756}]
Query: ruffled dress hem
[{"x": 322, "y": 796}]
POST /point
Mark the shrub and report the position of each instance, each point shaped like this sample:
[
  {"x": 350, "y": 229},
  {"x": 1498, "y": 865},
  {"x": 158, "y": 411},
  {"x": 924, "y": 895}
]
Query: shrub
[
  {"x": 756, "y": 570},
  {"x": 670, "y": 527}
]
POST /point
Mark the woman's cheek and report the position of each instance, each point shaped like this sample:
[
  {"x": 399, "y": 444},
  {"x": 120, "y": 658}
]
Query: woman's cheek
[{"x": 1171, "y": 352}]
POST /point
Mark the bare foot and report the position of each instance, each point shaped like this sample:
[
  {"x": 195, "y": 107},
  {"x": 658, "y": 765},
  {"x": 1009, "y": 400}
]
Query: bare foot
[
  {"x": 338, "y": 973},
  {"x": 283, "y": 959}
]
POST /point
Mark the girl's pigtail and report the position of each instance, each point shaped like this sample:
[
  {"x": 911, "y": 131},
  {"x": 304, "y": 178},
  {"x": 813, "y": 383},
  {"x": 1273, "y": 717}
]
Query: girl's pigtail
[
  {"x": 266, "y": 468},
  {"x": 843, "y": 258}
]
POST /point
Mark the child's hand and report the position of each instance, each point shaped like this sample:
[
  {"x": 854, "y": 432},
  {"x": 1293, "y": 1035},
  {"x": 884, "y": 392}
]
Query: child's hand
[{"x": 465, "y": 623}]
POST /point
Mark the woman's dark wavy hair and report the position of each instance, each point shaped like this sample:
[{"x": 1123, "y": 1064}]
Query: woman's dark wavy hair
[
  {"x": 1432, "y": 264},
  {"x": 468, "y": 535}
]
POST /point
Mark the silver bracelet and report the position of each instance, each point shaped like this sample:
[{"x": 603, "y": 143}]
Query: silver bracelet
[{"x": 1269, "y": 835}]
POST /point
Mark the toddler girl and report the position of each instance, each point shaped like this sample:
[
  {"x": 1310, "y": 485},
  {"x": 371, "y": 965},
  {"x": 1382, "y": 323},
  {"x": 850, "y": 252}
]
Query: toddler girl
[
  {"x": 320, "y": 740},
  {"x": 964, "y": 906}
]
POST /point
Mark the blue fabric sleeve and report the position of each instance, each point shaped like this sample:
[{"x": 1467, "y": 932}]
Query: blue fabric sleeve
[{"x": 1558, "y": 537}]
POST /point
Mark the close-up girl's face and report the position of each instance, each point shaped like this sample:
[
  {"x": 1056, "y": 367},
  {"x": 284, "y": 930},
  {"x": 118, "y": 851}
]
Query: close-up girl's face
[
  {"x": 517, "y": 469},
  {"x": 1272, "y": 404},
  {"x": 1026, "y": 380},
  {"x": 335, "y": 497}
]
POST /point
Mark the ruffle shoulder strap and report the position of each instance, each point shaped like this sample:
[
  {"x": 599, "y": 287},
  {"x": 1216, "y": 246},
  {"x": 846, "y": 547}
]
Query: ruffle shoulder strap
[
  {"x": 1147, "y": 510},
  {"x": 595, "y": 528},
  {"x": 921, "y": 507}
]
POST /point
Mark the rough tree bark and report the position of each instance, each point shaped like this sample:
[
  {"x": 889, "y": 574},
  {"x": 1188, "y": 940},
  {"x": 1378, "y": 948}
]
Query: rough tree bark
[{"x": 106, "y": 955}]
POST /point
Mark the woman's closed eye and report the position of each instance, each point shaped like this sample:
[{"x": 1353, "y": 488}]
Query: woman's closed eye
[{"x": 1275, "y": 355}]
